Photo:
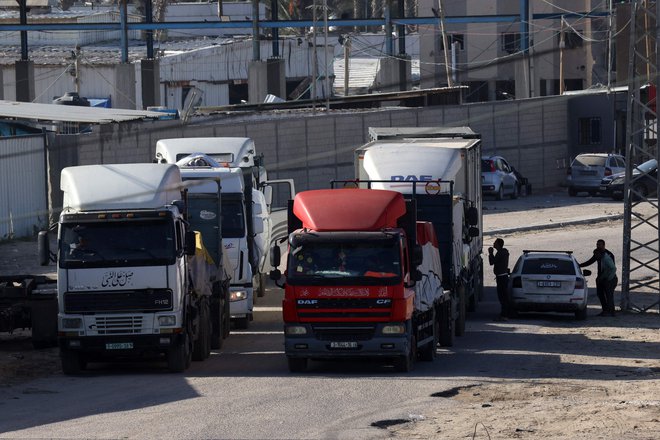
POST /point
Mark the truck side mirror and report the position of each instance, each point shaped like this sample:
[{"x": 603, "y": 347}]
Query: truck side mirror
[
  {"x": 472, "y": 216},
  {"x": 275, "y": 274},
  {"x": 586, "y": 272},
  {"x": 473, "y": 232},
  {"x": 417, "y": 256},
  {"x": 268, "y": 194},
  {"x": 416, "y": 275},
  {"x": 43, "y": 247},
  {"x": 275, "y": 255},
  {"x": 191, "y": 243}
]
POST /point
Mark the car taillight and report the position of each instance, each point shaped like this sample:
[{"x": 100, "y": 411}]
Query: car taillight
[
  {"x": 608, "y": 172},
  {"x": 579, "y": 283},
  {"x": 517, "y": 283}
]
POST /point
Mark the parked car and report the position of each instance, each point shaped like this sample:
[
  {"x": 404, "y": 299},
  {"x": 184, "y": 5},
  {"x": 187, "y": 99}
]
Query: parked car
[
  {"x": 498, "y": 178},
  {"x": 645, "y": 181},
  {"x": 548, "y": 281},
  {"x": 587, "y": 171}
]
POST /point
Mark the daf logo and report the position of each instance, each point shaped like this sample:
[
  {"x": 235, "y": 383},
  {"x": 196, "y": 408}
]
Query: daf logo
[
  {"x": 308, "y": 302},
  {"x": 383, "y": 301}
]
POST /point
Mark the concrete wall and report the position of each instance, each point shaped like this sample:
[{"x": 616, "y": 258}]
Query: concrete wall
[{"x": 316, "y": 148}]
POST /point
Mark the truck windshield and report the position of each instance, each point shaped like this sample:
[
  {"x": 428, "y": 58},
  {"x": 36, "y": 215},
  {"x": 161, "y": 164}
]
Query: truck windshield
[
  {"x": 354, "y": 263},
  {"x": 117, "y": 244}
]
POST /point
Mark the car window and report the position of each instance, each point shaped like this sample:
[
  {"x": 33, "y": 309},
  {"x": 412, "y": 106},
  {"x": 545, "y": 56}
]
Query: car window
[
  {"x": 505, "y": 166},
  {"x": 593, "y": 161},
  {"x": 620, "y": 163},
  {"x": 548, "y": 266}
]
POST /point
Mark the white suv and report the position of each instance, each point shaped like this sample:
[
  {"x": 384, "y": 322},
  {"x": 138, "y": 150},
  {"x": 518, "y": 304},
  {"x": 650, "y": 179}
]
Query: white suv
[
  {"x": 549, "y": 281},
  {"x": 587, "y": 170}
]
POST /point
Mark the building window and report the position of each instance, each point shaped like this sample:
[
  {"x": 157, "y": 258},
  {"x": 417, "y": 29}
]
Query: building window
[
  {"x": 511, "y": 42},
  {"x": 505, "y": 90},
  {"x": 477, "y": 91},
  {"x": 589, "y": 131},
  {"x": 453, "y": 38},
  {"x": 572, "y": 39}
]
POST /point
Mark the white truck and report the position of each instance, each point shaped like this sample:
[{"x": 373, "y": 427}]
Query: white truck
[
  {"x": 441, "y": 169},
  {"x": 252, "y": 217},
  {"x": 132, "y": 279}
]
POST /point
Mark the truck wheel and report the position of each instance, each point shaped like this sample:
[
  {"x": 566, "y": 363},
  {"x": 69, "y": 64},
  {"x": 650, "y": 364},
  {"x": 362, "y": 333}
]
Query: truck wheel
[
  {"x": 242, "y": 323},
  {"x": 405, "y": 364},
  {"x": 261, "y": 288},
  {"x": 459, "y": 325},
  {"x": 445, "y": 324},
  {"x": 428, "y": 352},
  {"x": 217, "y": 324},
  {"x": 201, "y": 347},
  {"x": 296, "y": 364},
  {"x": 226, "y": 317},
  {"x": 72, "y": 362},
  {"x": 516, "y": 192},
  {"x": 178, "y": 356}
]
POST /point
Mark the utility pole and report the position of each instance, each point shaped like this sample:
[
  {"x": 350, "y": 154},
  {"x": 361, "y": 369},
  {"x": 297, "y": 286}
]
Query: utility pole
[
  {"x": 562, "y": 44},
  {"x": 76, "y": 65},
  {"x": 347, "y": 57},
  {"x": 445, "y": 43}
]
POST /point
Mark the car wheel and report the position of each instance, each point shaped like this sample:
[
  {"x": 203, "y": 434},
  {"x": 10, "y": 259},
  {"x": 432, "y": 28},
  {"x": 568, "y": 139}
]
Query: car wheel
[
  {"x": 572, "y": 192},
  {"x": 640, "y": 191},
  {"x": 500, "y": 193},
  {"x": 515, "y": 193},
  {"x": 581, "y": 315}
]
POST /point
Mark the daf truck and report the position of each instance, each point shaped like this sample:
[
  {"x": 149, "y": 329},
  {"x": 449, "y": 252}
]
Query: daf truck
[
  {"x": 439, "y": 167},
  {"x": 363, "y": 279},
  {"x": 133, "y": 280}
]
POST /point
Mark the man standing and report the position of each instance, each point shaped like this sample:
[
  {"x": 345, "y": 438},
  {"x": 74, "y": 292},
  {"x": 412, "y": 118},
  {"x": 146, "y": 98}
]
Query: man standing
[
  {"x": 607, "y": 279},
  {"x": 500, "y": 263},
  {"x": 608, "y": 308}
]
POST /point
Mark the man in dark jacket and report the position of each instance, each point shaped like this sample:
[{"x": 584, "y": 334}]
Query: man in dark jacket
[
  {"x": 606, "y": 305},
  {"x": 500, "y": 263}
]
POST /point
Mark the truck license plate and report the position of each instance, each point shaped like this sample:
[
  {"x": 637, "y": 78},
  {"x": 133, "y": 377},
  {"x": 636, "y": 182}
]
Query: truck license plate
[
  {"x": 119, "y": 346},
  {"x": 351, "y": 344},
  {"x": 548, "y": 284}
]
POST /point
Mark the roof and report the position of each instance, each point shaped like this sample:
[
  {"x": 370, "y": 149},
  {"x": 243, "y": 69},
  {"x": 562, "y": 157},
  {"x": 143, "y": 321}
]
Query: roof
[
  {"x": 236, "y": 151},
  {"x": 70, "y": 113},
  {"x": 125, "y": 186},
  {"x": 349, "y": 209}
]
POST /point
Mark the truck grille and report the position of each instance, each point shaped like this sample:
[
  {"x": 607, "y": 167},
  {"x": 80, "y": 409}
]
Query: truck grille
[
  {"x": 338, "y": 333},
  {"x": 344, "y": 308},
  {"x": 110, "y": 325},
  {"x": 131, "y": 300}
]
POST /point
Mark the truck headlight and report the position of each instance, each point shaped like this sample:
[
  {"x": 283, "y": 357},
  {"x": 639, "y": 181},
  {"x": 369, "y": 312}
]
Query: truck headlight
[
  {"x": 71, "y": 323},
  {"x": 237, "y": 295},
  {"x": 394, "y": 329},
  {"x": 167, "y": 321},
  {"x": 295, "y": 330}
]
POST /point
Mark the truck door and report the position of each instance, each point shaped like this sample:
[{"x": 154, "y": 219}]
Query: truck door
[{"x": 278, "y": 193}]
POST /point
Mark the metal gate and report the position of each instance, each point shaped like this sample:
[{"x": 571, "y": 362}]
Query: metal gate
[{"x": 23, "y": 186}]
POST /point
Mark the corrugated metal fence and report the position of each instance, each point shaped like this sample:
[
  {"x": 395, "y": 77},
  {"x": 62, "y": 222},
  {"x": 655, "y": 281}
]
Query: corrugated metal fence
[{"x": 23, "y": 199}]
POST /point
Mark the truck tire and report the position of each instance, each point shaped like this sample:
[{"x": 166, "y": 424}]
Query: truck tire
[
  {"x": 178, "y": 356},
  {"x": 202, "y": 346},
  {"x": 217, "y": 324},
  {"x": 261, "y": 287},
  {"x": 72, "y": 362},
  {"x": 405, "y": 364},
  {"x": 459, "y": 325},
  {"x": 242, "y": 323},
  {"x": 297, "y": 364},
  {"x": 445, "y": 324},
  {"x": 428, "y": 352},
  {"x": 226, "y": 316}
]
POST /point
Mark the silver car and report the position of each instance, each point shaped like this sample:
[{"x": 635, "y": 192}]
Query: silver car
[
  {"x": 587, "y": 171},
  {"x": 498, "y": 178},
  {"x": 549, "y": 281}
]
